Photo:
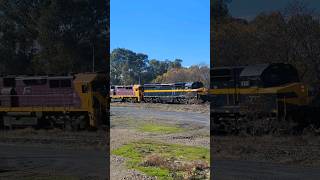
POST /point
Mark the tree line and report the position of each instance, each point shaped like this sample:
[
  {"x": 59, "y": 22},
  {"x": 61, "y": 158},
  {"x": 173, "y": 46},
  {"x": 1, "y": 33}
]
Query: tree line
[
  {"x": 291, "y": 35},
  {"x": 53, "y": 36},
  {"x": 128, "y": 67}
]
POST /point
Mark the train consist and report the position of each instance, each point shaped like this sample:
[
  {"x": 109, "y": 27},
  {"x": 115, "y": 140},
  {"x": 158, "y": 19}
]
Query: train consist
[
  {"x": 76, "y": 101},
  {"x": 262, "y": 99},
  {"x": 192, "y": 92},
  {"x": 254, "y": 99}
]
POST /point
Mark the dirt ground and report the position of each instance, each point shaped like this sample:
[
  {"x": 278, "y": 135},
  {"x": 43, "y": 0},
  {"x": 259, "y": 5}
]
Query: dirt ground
[
  {"x": 240, "y": 158},
  {"x": 124, "y": 119}
]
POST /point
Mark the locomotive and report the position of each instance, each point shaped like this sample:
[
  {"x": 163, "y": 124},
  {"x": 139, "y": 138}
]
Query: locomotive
[
  {"x": 184, "y": 92},
  {"x": 77, "y": 101},
  {"x": 131, "y": 93},
  {"x": 261, "y": 99}
]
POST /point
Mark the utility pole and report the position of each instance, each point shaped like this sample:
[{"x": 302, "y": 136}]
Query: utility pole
[
  {"x": 139, "y": 78},
  {"x": 92, "y": 57}
]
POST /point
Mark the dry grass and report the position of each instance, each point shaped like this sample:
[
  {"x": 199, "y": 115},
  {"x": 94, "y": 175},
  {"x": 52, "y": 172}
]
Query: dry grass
[
  {"x": 166, "y": 161},
  {"x": 192, "y": 170}
]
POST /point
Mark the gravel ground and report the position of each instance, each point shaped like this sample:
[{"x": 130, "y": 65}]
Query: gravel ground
[
  {"x": 199, "y": 108},
  {"x": 124, "y": 119}
]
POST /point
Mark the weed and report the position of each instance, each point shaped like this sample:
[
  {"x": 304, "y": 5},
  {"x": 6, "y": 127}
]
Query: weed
[{"x": 166, "y": 161}]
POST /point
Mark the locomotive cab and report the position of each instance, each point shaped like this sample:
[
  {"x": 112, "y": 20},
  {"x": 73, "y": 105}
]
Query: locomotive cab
[
  {"x": 194, "y": 85},
  {"x": 268, "y": 75},
  {"x": 93, "y": 93},
  {"x": 249, "y": 94},
  {"x": 138, "y": 92}
]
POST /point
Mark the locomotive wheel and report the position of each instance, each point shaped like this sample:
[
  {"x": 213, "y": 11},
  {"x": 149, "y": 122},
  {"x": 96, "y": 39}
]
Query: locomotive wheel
[
  {"x": 68, "y": 125},
  {"x": 311, "y": 129},
  {"x": 221, "y": 125}
]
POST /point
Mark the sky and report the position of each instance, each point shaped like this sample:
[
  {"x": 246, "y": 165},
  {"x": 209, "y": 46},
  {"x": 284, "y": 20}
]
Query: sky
[
  {"x": 250, "y": 8},
  {"x": 162, "y": 29}
]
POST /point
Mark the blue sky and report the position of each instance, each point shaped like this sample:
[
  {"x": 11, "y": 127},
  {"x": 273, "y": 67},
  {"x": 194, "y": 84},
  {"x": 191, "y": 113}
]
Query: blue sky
[
  {"x": 250, "y": 8},
  {"x": 163, "y": 29}
]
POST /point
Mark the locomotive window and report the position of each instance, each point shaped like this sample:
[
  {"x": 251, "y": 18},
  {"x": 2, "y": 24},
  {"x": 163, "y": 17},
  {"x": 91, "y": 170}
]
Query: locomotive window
[
  {"x": 65, "y": 83},
  {"x": 33, "y": 82},
  {"x": 54, "y": 83},
  {"x": 84, "y": 88},
  {"x": 60, "y": 83},
  {"x": 280, "y": 75},
  {"x": 9, "y": 82}
]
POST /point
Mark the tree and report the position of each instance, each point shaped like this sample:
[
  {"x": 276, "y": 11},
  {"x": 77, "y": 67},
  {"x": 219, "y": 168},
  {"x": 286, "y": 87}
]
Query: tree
[
  {"x": 53, "y": 36},
  {"x": 127, "y": 67},
  {"x": 194, "y": 73},
  {"x": 69, "y": 33},
  {"x": 291, "y": 36},
  {"x": 18, "y": 32}
]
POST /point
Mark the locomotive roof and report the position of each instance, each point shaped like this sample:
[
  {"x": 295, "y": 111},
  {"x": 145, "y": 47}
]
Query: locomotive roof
[
  {"x": 227, "y": 67},
  {"x": 158, "y": 84},
  {"x": 42, "y": 77},
  {"x": 254, "y": 70},
  {"x": 87, "y": 77},
  {"x": 258, "y": 69}
]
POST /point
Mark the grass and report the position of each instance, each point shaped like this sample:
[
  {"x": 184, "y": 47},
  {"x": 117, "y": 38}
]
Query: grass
[
  {"x": 162, "y": 160},
  {"x": 160, "y": 128}
]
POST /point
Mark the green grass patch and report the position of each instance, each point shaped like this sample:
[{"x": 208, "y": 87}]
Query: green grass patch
[
  {"x": 160, "y": 128},
  {"x": 137, "y": 154}
]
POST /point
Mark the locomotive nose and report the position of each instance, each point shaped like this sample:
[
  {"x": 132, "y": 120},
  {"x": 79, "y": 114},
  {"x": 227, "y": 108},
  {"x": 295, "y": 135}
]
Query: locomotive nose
[{"x": 197, "y": 85}]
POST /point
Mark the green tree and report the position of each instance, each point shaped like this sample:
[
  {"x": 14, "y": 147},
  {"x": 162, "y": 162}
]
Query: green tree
[
  {"x": 127, "y": 67},
  {"x": 18, "y": 31},
  {"x": 70, "y": 34},
  {"x": 53, "y": 36}
]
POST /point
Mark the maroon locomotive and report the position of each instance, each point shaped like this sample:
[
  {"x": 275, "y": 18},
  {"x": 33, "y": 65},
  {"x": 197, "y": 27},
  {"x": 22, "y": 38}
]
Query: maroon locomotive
[{"x": 77, "y": 101}]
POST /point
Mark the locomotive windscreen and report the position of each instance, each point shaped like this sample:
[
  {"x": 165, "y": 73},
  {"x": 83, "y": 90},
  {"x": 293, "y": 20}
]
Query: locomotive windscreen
[
  {"x": 279, "y": 74},
  {"x": 196, "y": 85},
  {"x": 225, "y": 77}
]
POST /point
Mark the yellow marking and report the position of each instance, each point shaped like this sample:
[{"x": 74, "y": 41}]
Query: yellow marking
[
  {"x": 251, "y": 90},
  {"x": 173, "y": 90},
  {"x": 40, "y": 109}
]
